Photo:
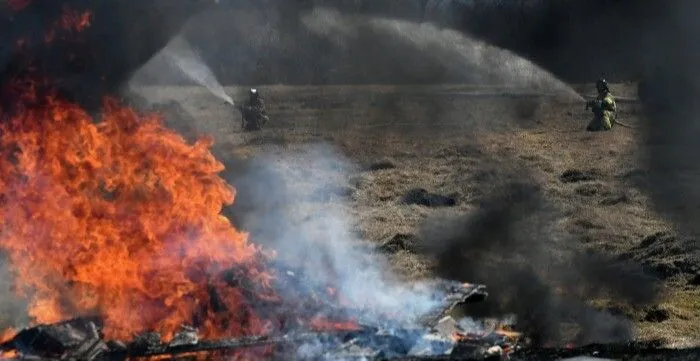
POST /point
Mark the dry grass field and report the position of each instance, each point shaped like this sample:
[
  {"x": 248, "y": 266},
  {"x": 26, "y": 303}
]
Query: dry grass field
[{"x": 395, "y": 159}]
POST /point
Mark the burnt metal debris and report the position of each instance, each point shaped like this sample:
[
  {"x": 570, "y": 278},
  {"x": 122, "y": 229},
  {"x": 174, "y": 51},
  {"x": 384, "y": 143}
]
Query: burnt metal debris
[
  {"x": 81, "y": 339},
  {"x": 437, "y": 337},
  {"x": 455, "y": 294}
]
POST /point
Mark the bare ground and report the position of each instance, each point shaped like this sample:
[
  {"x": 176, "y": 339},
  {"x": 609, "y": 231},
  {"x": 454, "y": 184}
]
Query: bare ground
[{"x": 461, "y": 142}]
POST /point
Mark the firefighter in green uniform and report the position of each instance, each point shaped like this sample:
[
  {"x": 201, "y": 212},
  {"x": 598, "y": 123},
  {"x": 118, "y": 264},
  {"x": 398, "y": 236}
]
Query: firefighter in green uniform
[{"x": 603, "y": 107}]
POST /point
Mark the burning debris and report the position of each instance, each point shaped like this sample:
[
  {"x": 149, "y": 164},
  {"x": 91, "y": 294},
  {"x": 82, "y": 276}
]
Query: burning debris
[
  {"x": 117, "y": 216},
  {"x": 83, "y": 339}
]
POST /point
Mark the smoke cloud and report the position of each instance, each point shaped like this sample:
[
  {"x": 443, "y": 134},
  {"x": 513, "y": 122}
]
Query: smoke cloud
[
  {"x": 513, "y": 243},
  {"x": 670, "y": 91},
  {"x": 294, "y": 204},
  {"x": 13, "y": 309}
]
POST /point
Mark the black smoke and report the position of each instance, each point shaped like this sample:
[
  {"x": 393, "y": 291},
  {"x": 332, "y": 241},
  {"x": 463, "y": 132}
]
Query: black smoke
[
  {"x": 651, "y": 41},
  {"x": 671, "y": 90},
  {"x": 86, "y": 65},
  {"x": 534, "y": 270},
  {"x": 254, "y": 42}
]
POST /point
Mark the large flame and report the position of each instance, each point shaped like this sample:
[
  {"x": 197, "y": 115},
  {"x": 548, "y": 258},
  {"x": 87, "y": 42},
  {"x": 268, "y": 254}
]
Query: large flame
[
  {"x": 119, "y": 216},
  {"x": 116, "y": 216}
]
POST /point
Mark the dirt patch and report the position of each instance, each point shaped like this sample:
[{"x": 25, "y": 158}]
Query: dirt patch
[
  {"x": 382, "y": 164},
  {"x": 575, "y": 176},
  {"x": 593, "y": 190},
  {"x": 695, "y": 280},
  {"x": 399, "y": 242},
  {"x": 667, "y": 255},
  {"x": 657, "y": 315},
  {"x": 422, "y": 197},
  {"x": 614, "y": 200}
]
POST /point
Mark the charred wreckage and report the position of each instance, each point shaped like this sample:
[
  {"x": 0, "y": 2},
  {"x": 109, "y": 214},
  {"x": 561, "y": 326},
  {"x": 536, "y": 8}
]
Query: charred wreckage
[
  {"x": 59, "y": 58},
  {"x": 81, "y": 339},
  {"x": 435, "y": 336}
]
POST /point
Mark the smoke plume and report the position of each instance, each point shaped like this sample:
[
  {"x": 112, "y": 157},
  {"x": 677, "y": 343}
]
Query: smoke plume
[
  {"x": 670, "y": 92},
  {"x": 294, "y": 204},
  {"x": 513, "y": 243},
  {"x": 13, "y": 309}
]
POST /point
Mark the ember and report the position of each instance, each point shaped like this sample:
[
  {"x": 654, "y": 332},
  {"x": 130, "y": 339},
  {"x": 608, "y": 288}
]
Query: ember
[{"x": 71, "y": 22}]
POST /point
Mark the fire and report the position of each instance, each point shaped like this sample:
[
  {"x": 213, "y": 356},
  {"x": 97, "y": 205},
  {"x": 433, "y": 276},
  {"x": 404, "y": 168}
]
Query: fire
[
  {"x": 71, "y": 21},
  {"x": 9, "y": 355},
  {"x": 119, "y": 217},
  {"x": 323, "y": 324},
  {"x": 7, "y": 334},
  {"x": 122, "y": 218},
  {"x": 74, "y": 21}
]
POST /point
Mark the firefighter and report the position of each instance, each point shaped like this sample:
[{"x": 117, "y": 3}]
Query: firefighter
[
  {"x": 253, "y": 112},
  {"x": 603, "y": 107}
]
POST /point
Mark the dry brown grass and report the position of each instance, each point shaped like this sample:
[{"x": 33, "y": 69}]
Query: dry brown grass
[
  {"x": 444, "y": 140},
  {"x": 681, "y": 330}
]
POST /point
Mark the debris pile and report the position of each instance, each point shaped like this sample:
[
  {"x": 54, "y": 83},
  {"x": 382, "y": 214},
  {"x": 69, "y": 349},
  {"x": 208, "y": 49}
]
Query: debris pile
[{"x": 81, "y": 339}]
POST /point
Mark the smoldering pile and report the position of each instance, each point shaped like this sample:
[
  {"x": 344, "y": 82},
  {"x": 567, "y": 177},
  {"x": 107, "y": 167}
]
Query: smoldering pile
[{"x": 81, "y": 339}]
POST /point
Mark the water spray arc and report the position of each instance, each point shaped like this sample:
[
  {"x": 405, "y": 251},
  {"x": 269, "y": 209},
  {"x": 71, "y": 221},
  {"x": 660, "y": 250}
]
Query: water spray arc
[{"x": 180, "y": 54}]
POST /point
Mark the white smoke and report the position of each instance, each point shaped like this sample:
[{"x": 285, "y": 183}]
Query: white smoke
[{"x": 311, "y": 229}]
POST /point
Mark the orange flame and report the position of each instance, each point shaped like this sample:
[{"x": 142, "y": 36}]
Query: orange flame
[
  {"x": 71, "y": 21},
  {"x": 7, "y": 334},
  {"x": 9, "y": 355},
  {"x": 121, "y": 218},
  {"x": 323, "y": 324}
]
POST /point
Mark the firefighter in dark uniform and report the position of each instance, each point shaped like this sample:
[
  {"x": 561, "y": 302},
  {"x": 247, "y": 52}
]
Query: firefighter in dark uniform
[{"x": 253, "y": 112}]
